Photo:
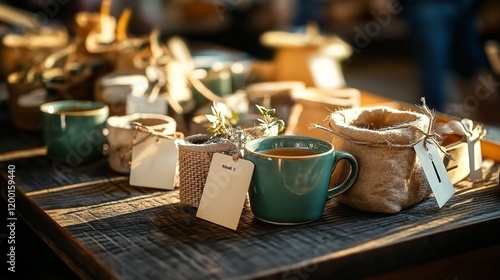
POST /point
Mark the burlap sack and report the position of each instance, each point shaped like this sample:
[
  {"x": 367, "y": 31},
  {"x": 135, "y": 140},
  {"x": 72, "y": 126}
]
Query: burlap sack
[{"x": 381, "y": 138}]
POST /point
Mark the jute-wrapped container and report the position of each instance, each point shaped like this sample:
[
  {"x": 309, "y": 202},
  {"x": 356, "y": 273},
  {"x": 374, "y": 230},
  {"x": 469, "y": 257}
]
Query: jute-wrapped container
[
  {"x": 390, "y": 177},
  {"x": 195, "y": 156}
]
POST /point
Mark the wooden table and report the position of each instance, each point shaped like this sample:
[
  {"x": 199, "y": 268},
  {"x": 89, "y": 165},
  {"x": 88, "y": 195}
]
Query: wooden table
[{"x": 103, "y": 228}]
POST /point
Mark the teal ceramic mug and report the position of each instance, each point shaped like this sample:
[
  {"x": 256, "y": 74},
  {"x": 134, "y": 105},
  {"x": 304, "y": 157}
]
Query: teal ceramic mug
[
  {"x": 291, "y": 179},
  {"x": 72, "y": 130}
]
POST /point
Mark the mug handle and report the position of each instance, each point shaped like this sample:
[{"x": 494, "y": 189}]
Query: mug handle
[{"x": 338, "y": 156}]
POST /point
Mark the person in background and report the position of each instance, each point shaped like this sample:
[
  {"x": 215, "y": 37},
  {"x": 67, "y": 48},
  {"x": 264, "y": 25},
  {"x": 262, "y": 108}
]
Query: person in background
[
  {"x": 445, "y": 37},
  {"x": 305, "y": 11}
]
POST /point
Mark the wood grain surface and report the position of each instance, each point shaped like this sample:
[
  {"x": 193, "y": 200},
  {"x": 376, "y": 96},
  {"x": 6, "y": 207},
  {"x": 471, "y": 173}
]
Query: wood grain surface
[{"x": 104, "y": 228}]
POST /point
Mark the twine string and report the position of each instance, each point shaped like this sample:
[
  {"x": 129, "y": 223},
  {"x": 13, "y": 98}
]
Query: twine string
[
  {"x": 153, "y": 132},
  {"x": 239, "y": 145},
  {"x": 124, "y": 152},
  {"x": 236, "y": 139},
  {"x": 235, "y": 155},
  {"x": 427, "y": 136}
]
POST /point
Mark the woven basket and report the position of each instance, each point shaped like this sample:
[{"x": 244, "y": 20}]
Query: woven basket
[{"x": 194, "y": 163}]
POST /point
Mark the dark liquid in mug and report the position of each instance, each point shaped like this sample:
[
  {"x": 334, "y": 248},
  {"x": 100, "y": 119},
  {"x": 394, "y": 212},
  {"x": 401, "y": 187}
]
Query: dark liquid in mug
[{"x": 289, "y": 152}]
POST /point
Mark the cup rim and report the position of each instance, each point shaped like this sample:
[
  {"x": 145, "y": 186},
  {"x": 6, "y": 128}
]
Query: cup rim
[
  {"x": 257, "y": 154},
  {"x": 114, "y": 121},
  {"x": 98, "y": 108}
]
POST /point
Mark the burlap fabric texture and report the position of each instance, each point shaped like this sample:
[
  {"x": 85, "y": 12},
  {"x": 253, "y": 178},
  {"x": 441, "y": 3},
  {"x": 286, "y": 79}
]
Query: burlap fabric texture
[
  {"x": 194, "y": 162},
  {"x": 381, "y": 138}
]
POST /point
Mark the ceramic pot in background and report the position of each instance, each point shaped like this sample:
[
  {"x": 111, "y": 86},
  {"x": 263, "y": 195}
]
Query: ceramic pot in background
[
  {"x": 24, "y": 102},
  {"x": 73, "y": 130}
]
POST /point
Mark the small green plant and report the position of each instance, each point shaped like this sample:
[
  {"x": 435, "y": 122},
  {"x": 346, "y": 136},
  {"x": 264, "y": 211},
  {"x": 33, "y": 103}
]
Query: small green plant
[
  {"x": 224, "y": 123},
  {"x": 270, "y": 120}
]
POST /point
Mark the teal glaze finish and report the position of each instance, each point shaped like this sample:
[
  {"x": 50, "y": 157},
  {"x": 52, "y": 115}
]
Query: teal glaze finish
[
  {"x": 74, "y": 138},
  {"x": 294, "y": 190}
]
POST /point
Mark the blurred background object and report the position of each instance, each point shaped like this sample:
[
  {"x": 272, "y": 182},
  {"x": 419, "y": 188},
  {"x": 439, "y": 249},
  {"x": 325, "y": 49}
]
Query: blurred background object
[
  {"x": 385, "y": 57},
  {"x": 446, "y": 39}
]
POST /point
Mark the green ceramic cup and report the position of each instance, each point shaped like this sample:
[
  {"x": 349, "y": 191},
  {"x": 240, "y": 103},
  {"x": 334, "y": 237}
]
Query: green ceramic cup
[
  {"x": 72, "y": 130},
  {"x": 291, "y": 179}
]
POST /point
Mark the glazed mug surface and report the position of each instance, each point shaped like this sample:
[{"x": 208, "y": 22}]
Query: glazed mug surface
[
  {"x": 72, "y": 130},
  {"x": 290, "y": 183}
]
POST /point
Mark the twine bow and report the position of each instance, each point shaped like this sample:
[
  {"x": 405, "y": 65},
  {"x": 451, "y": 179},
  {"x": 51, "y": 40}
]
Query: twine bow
[{"x": 431, "y": 136}]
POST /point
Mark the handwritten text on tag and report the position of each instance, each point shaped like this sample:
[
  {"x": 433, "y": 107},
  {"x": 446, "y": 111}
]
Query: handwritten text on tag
[{"x": 225, "y": 190}]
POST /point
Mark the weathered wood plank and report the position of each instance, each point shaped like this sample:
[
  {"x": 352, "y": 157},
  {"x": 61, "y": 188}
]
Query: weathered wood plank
[{"x": 106, "y": 228}]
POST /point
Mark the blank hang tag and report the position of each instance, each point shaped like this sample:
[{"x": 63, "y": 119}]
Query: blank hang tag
[
  {"x": 326, "y": 72},
  {"x": 154, "y": 162},
  {"x": 225, "y": 190},
  {"x": 475, "y": 156},
  {"x": 435, "y": 171},
  {"x": 141, "y": 104}
]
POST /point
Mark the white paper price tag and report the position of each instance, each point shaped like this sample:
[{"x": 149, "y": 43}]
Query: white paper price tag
[
  {"x": 475, "y": 156},
  {"x": 154, "y": 162},
  {"x": 225, "y": 190},
  {"x": 466, "y": 128},
  {"x": 435, "y": 171}
]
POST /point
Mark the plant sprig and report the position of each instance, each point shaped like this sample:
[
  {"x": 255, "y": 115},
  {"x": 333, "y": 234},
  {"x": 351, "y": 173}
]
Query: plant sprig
[
  {"x": 224, "y": 122},
  {"x": 270, "y": 120}
]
